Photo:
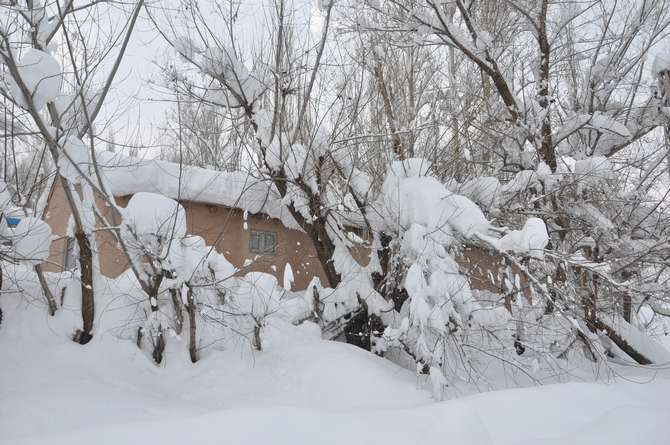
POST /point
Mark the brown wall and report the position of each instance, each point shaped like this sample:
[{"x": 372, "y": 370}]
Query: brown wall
[
  {"x": 219, "y": 226},
  {"x": 485, "y": 271},
  {"x": 57, "y": 214},
  {"x": 224, "y": 228}
]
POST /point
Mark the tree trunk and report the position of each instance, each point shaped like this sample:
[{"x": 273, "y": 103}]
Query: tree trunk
[
  {"x": 85, "y": 335},
  {"x": 325, "y": 250},
  {"x": 159, "y": 339},
  {"x": 178, "y": 314},
  {"x": 51, "y": 302},
  {"x": 547, "y": 151},
  {"x": 159, "y": 346},
  {"x": 622, "y": 344},
  {"x": 589, "y": 306},
  {"x": 192, "y": 341},
  {"x": 258, "y": 345},
  {"x": 388, "y": 110},
  {"x": 317, "y": 313},
  {"x": 151, "y": 287},
  {"x": 314, "y": 227},
  {"x": 589, "y": 284},
  {"x": 387, "y": 282},
  {"x": 627, "y": 307}
]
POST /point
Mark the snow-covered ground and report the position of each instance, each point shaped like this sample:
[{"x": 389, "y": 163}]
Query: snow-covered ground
[{"x": 301, "y": 390}]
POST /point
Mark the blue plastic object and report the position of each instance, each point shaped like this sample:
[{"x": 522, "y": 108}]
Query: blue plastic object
[{"x": 12, "y": 222}]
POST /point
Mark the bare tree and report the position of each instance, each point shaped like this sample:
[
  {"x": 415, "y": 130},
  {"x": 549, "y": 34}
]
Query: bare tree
[{"x": 36, "y": 81}]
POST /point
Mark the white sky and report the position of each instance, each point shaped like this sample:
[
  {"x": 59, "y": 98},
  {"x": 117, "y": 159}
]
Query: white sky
[{"x": 136, "y": 108}]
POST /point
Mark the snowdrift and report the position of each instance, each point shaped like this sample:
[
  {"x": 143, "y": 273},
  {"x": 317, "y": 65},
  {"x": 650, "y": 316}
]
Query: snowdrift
[{"x": 299, "y": 390}]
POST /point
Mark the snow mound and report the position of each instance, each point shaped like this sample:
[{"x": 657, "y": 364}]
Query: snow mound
[
  {"x": 409, "y": 168},
  {"x": 642, "y": 343},
  {"x": 41, "y": 75},
  {"x": 595, "y": 167},
  {"x": 299, "y": 388},
  {"x": 30, "y": 239},
  {"x": 302, "y": 390},
  {"x": 127, "y": 176},
  {"x": 154, "y": 214},
  {"x": 532, "y": 239},
  {"x": 485, "y": 191},
  {"x": 414, "y": 199}
]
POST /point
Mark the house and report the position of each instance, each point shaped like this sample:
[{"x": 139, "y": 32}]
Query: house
[{"x": 240, "y": 215}]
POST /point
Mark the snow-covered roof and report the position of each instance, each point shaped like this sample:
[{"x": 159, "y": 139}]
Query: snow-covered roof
[{"x": 242, "y": 190}]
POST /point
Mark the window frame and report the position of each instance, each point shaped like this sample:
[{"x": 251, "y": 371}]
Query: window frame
[{"x": 263, "y": 236}]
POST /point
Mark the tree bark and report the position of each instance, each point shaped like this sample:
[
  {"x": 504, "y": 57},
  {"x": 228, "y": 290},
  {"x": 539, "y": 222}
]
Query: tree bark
[
  {"x": 627, "y": 307},
  {"x": 258, "y": 345},
  {"x": 51, "y": 302},
  {"x": 159, "y": 346},
  {"x": 546, "y": 145},
  {"x": 178, "y": 314},
  {"x": 85, "y": 335},
  {"x": 388, "y": 110},
  {"x": 325, "y": 250},
  {"x": 317, "y": 313},
  {"x": 192, "y": 340},
  {"x": 386, "y": 282},
  {"x": 159, "y": 339}
]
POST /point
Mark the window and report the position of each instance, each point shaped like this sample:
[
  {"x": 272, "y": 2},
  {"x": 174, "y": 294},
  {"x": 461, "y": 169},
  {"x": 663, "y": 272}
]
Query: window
[{"x": 264, "y": 243}]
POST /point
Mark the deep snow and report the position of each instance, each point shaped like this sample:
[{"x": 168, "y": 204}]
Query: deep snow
[{"x": 302, "y": 390}]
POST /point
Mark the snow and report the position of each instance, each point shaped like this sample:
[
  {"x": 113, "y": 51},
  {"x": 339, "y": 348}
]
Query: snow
[
  {"x": 411, "y": 167},
  {"x": 288, "y": 276},
  {"x": 661, "y": 61},
  {"x": 221, "y": 267},
  {"x": 648, "y": 347},
  {"x": 532, "y": 239},
  {"x": 522, "y": 181},
  {"x": 77, "y": 155},
  {"x": 5, "y": 197},
  {"x": 154, "y": 214},
  {"x": 31, "y": 239},
  {"x": 298, "y": 391},
  {"x": 257, "y": 294},
  {"x": 186, "y": 47},
  {"x": 410, "y": 197},
  {"x": 220, "y": 63},
  {"x": 192, "y": 259},
  {"x": 41, "y": 74},
  {"x": 603, "y": 123},
  {"x": 432, "y": 222},
  {"x": 592, "y": 215},
  {"x": 485, "y": 191},
  {"x": 127, "y": 176},
  {"x": 465, "y": 216},
  {"x": 596, "y": 167},
  {"x": 71, "y": 107}
]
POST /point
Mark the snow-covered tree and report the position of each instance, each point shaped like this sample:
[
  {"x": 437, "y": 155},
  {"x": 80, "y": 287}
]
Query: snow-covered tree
[{"x": 38, "y": 41}]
